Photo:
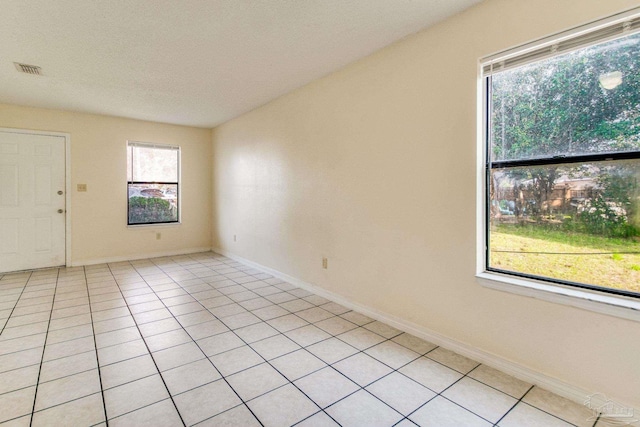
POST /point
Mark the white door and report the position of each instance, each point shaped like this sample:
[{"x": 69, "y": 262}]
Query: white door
[{"x": 32, "y": 201}]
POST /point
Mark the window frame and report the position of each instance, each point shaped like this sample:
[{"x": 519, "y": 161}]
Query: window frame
[
  {"x": 178, "y": 149},
  {"x": 619, "y": 303}
]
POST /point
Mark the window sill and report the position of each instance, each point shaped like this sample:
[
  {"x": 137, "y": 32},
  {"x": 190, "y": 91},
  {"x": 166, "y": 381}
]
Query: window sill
[
  {"x": 626, "y": 308},
  {"x": 159, "y": 224}
]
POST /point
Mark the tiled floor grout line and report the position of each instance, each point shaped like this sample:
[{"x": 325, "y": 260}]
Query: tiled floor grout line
[
  {"x": 188, "y": 275},
  {"x": 363, "y": 388},
  {"x": 154, "y": 362},
  {"x": 44, "y": 348},
  {"x": 95, "y": 349},
  {"x": 206, "y": 357},
  {"x": 511, "y": 409},
  {"x": 265, "y": 361},
  {"x": 16, "y": 303}
]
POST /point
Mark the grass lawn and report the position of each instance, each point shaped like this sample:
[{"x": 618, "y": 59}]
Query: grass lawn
[{"x": 613, "y": 270}]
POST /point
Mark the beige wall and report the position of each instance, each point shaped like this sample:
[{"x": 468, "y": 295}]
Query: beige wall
[
  {"x": 99, "y": 159},
  {"x": 374, "y": 167}
]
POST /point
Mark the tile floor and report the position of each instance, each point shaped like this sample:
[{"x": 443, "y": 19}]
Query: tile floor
[{"x": 204, "y": 340}]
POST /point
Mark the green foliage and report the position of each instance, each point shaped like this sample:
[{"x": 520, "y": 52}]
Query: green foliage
[
  {"x": 149, "y": 209},
  {"x": 557, "y": 106},
  {"x": 616, "y": 257},
  {"x": 605, "y": 218}
]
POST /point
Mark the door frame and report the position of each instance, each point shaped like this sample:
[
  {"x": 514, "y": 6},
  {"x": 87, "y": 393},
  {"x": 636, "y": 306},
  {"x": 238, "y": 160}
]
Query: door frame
[{"x": 67, "y": 181}]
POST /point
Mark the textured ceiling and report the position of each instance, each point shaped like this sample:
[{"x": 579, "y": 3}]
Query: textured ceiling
[{"x": 191, "y": 62}]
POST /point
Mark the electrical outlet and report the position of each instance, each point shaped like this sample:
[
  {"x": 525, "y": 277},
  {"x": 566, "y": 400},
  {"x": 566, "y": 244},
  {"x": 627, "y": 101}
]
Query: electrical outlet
[
  {"x": 325, "y": 262},
  {"x": 234, "y": 238},
  {"x": 82, "y": 187},
  {"x": 158, "y": 236}
]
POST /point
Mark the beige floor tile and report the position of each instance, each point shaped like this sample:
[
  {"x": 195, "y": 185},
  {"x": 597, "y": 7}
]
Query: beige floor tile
[
  {"x": 362, "y": 369},
  {"x": 134, "y": 395},
  {"x": 68, "y": 348},
  {"x": 326, "y": 386},
  {"x": 287, "y": 323},
  {"x": 401, "y": 393},
  {"x": 206, "y": 329},
  {"x": 452, "y": 360},
  {"x": 315, "y": 314},
  {"x": 255, "y": 381},
  {"x": 320, "y": 419},
  {"x": 220, "y": 343},
  {"x": 297, "y": 364},
  {"x": 256, "y": 332},
  {"x": 66, "y": 389},
  {"x": 167, "y": 340},
  {"x": 440, "y": 412},
  {"x": 361, "y": 338},
  {"x": 20, "y": 359},
  {"x": 431, "y": 374},
  {"x": 16, "y": 403},
  {"x": 113, "y": 324},
  {"x": 296, "y": 305},
  {"x": 480, "y": 399},
  {"x": 86, "y": 411},
  {"x": 524, "y": 415},
  {"x": 357, "y": 318},
  {"x": 236, "y": 360},
  {"x": 117, "y": 337},
  {"x": 336, "y": 325},
  {"x": 117, "y": 353},
  {"x": 270, "y": 312},
  {"x": 22, "y": 343},
  {"x": 332, "y": 350},
  {"x": 160, "y": 414},
  {"x": 159, "y": 327},
  {"x": 416, "y": 344},
  {"x": 238, "y": 416},
  {"x": 69, "y": 365},
  {"x": 273, "y": 347},
  {"x": 19, "y": 378},
  {"x": 68, "y": 334},
  {"x": 503, "y": 382},
  {"x": 177, "y": 356},
  {"x": 189, "y": 376},
  {"x": 126, "y": 371},
  {"x": 565, "y": 409},
  {"x": 293, "y": 407},
  {"x": 307, "y": 335},
  {"x": 392, "y": 354},
  {"x": 362, "y": 409},
  {"x": 207, "y": 401}
]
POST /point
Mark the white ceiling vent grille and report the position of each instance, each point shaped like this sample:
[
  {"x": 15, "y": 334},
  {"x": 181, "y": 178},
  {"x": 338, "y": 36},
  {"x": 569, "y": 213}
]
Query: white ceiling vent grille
[{"x": 29, "y": 69}]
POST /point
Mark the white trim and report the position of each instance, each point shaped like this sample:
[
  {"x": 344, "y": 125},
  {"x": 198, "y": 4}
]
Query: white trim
[
  {"x": 93, "y": 261},
  {"x": 555, "y": 385},
  {"x": 625, "y": 308},
  {"x": 67, "y": 178}
]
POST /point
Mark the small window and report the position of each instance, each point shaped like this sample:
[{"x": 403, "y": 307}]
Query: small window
[
  {"x": 153, "y": 188},
  {"x": 562, "y": 167}
]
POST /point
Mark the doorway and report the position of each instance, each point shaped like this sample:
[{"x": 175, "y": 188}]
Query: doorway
[{"x": 33, "y": 200}]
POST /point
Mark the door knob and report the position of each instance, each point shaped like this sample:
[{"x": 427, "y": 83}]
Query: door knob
[
  {"x": 60, "y": 210},
  {"x": 60, "y": 192}
]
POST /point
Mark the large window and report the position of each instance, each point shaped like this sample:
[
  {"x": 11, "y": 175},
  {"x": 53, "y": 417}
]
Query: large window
[
  {"x": 153, "y": 173},
  {"x": 562, "y": 186}
]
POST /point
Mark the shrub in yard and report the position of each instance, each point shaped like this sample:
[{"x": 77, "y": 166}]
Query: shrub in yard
[
  {"x": 606, "y": 218},
  {"x": 149, "y": 209}
]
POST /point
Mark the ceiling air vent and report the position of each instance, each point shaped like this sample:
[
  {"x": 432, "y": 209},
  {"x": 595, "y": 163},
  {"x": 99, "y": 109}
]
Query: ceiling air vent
[{"x": 29, "y": 69}]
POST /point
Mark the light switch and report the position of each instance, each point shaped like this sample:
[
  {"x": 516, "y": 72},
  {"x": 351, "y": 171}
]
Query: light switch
[{"x": 82, "y": 187}]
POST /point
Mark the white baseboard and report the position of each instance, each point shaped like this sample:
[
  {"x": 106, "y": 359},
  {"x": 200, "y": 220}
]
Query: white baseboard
[
  {"x": 93, "y": 261},
  {"x": 521, "y": 372}
]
